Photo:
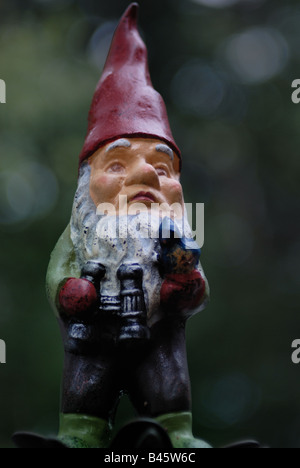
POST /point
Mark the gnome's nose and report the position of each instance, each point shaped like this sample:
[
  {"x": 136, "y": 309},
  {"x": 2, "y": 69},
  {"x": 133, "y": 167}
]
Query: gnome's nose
[{"x": 143, "y": 174}]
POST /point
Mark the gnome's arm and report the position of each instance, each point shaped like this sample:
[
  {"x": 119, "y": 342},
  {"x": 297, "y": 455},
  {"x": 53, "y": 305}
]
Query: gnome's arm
[
  {"x": 185, "y": 293},
  {"x": 63, "y": 272},
  {"x": 185, "y": 289}
]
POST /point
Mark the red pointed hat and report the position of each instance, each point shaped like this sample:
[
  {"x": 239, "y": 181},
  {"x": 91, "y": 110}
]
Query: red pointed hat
[{"x": 125, "y": 103}]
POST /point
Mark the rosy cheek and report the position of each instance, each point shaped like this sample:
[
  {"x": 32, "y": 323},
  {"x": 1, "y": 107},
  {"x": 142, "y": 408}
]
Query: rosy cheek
[
  {"x": 104, "y": 188},
  {"x": 102, "y": 181}
]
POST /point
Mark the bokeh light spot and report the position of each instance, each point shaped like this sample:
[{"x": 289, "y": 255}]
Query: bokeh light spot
[
  {"x": 99, "y": 43},
  {"x": 198, "y": 89},
  {"x": 217, "y": 3},
  {"x": 228, "y": 400},
  {"x": 229, "y": 3},
  {"x": 257, "y": 54},
  {"x": 26, "y": 193}
]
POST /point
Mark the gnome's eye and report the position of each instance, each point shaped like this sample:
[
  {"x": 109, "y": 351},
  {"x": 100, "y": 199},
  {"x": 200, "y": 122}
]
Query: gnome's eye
[
  {"x": 116, "y": 168},
  {"x": 162, "y": 171}
]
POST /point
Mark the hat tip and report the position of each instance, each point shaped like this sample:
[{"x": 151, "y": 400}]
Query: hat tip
[
  {"x": 134, "y": 5},
  {"x": 132, "y": 10}
]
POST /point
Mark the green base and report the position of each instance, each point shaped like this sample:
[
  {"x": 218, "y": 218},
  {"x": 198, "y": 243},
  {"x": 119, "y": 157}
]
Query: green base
[
  {"x": 179, "y": 428},
  {"x": 82, "y": 431}
]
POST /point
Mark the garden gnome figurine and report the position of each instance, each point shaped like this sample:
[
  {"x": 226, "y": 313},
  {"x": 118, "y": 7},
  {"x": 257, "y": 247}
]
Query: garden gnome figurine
[{"x": 125, "y": 276}]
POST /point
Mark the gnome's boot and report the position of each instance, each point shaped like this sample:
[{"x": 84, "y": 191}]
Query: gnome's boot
[
  {"x": 83, "y": 431},
  {"x": 179, "y": 428}
]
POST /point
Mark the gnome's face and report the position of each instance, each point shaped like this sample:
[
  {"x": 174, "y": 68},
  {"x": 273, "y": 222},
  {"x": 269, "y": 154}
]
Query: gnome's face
[{"x": 145, "y": 171}]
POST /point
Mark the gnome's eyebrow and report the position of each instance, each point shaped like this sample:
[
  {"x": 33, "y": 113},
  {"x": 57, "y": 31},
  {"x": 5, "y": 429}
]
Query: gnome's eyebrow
[
  {"x": 122, "y": 143},
  {"x": 165, "y": 149}
]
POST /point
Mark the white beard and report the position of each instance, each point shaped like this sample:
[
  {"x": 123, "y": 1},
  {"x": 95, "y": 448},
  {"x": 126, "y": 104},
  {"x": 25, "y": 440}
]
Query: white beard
[{"x": 130, "y": 247}]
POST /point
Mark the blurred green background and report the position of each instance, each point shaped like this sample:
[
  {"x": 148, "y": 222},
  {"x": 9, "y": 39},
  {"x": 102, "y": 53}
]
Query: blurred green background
[{"x": 225, "y": 69}]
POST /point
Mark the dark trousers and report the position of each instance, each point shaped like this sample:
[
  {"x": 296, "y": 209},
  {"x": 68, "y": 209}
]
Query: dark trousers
[{"x": 154, "y": 375}]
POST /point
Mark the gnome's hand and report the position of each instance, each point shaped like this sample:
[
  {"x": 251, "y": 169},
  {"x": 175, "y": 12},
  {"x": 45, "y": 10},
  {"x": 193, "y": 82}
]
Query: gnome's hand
[
  {"x": 179, "y": 254},
  {"x": 184, "y": 288},
  {"x": 77, "y": 296},
  {"x": 182, "y": 292}
]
